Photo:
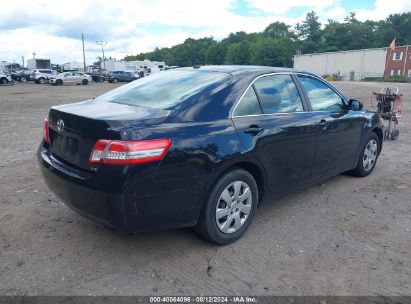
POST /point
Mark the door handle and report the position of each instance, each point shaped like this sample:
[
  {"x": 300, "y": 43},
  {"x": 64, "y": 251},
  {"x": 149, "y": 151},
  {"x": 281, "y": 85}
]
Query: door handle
[
  {"x": 253, "y": 130},
  {"x": 323, "y": 124}
]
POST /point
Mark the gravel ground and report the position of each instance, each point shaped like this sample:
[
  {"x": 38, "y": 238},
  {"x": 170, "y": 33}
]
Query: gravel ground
[{"x": 346, "y": 236}]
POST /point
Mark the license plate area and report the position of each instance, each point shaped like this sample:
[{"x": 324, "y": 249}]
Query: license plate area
[{"x": 64, "y": 146}]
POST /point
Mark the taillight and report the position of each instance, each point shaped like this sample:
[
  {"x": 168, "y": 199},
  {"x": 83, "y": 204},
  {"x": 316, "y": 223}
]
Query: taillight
[
  {"x": 122, "y": 152},
  {"x": 46, "y": 131}
]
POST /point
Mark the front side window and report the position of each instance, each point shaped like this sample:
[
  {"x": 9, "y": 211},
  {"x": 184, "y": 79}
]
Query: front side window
[
  {"x": 321, "y": 96},
  {"x": 278, "y": 94}
]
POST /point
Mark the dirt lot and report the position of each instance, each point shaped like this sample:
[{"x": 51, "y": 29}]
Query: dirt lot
[{"x": 347, "y": 236}]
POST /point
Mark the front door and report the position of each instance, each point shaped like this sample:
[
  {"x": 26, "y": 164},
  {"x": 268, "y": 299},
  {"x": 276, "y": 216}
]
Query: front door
[
  {"x": 69, "y": 77},
  {"x": 339, "y": 136},
  {"x": 277, "y": 129}
]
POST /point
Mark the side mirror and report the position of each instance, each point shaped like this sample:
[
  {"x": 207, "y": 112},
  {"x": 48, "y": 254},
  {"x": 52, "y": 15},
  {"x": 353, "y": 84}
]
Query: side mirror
[{"x": 355, "y": 105}]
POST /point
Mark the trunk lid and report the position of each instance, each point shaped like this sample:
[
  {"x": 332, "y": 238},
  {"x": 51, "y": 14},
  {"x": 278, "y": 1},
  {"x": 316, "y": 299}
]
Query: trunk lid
[{"x": 74, "y": 128}]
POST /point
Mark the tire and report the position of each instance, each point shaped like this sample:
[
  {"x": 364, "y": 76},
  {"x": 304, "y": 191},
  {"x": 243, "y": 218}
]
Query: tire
[
  {"x": 368, "y": 156},
  {"x": 84, "y": 82},
  {"x": 223, "y": 222},
  {"x": 41, "y": 80},
  {"x": 59, "y": 82},
  {"x": 395, "y": 134},
  {"x": 23, "y": 79},
  {"x": 115, "y": 80},
  {"x": 4, "y": 81}
]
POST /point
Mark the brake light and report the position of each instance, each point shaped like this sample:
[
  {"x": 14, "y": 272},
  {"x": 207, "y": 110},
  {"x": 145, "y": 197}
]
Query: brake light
[
  {"x": 46, "y": 131},
  {"x": 121, "y": 152}
]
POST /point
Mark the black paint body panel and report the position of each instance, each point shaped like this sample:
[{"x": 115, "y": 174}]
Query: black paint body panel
[{"x": 291, "y": 151}]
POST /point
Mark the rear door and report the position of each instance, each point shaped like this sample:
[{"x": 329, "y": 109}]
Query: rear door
[
  {"x": 123, "y": 76},
  {"x": 78, "y": 77},
  {"x": 118, "y": 76},
  {"x": 275, "y": 125},
  {"x": 339, "y": 136}
]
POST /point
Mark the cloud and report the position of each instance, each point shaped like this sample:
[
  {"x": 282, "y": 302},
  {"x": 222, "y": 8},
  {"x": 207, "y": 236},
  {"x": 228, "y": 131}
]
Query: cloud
[
  {"x": 382, "y": 9},
  {"x": 282, "y": 7},
  {"x": 53, "y": 28},
  {"x": 337, "y": 13}
]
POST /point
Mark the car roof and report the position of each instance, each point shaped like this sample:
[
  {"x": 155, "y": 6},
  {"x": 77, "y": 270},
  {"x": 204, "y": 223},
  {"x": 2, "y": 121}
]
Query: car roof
[{"x": 246, "y": 69}]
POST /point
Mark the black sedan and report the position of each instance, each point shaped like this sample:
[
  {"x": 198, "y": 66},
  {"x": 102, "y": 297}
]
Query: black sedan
[{"x": 203, "y": 147}]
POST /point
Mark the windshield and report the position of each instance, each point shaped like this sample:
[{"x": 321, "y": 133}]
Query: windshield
[{"x": 163, "y": 89}]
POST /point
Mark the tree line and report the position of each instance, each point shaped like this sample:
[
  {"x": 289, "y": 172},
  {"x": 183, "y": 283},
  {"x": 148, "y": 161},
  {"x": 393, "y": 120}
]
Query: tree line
[{"x": 279, "y": 42}]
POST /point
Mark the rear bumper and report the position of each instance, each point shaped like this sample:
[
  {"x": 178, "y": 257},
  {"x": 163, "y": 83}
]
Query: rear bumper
[{"x": 135, "y": 205}]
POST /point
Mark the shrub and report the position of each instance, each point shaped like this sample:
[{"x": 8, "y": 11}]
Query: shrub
[{"x": 396, "y": 79}]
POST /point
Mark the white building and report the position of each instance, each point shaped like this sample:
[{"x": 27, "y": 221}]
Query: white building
[
  {"x": 133, "y": 66},
  {"x": 112, "y": 65},
  {"x": 74, "y": 66},
  {"x": 37, "y": 63},
  {"x": 349, "y": 65}
]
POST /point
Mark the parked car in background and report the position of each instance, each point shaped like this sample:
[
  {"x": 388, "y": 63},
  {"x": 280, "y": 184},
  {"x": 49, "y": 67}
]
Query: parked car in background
[
  {"x": 70, "y": 78},
  {"x": 42, "y": 75},
  {"x": 136, "y": 75},
  {"x": 5, "y": 78},
  {"x": 171, "y": 67},
  {"x": 121, "y": 76},
  {"x": 97, "y": 77},
  {"x": 203, "y": 147},
  {"x": 22, "y": 75}
]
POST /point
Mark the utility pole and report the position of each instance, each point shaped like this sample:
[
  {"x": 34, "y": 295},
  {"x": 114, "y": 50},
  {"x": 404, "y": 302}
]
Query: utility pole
[
  {"x": 102, "y": 43},
  {"x": 84, "y": 54},
  {"x": 22, "y": 59}
]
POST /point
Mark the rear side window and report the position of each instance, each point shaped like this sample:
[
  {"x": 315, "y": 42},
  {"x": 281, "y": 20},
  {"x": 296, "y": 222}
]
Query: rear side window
[
  {"x": 248, "y": 105},
  {"x": 163, "y": 89},
  {"x": 321, "y": 96},
  {"x": 278, "y": 94}
]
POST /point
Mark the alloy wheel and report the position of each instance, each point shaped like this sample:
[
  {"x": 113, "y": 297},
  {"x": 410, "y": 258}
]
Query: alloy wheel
[
  {"x": 233, "y": 207},
  {"x": 370, "y": 155}
]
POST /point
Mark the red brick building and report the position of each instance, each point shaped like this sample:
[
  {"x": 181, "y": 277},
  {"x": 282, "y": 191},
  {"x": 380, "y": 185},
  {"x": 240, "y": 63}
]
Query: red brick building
[{"x": 398, "y": 62}]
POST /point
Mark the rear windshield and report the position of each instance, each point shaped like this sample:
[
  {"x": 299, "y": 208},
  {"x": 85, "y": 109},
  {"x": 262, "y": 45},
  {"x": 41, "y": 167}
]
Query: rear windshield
[{"x": 163, "y": 89}]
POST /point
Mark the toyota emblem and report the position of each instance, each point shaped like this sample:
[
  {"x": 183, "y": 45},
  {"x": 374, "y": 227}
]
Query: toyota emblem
[{"x": 60, "y": 125}]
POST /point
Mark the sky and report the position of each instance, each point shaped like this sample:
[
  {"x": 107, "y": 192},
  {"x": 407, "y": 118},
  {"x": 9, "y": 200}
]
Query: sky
[{"x": 52, "y": 29}]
